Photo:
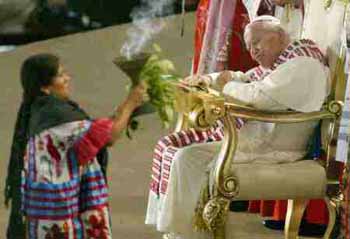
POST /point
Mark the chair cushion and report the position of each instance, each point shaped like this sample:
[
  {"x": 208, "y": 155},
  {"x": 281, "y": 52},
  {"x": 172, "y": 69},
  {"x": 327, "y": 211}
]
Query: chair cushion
[{"x": 304, "y": 179}]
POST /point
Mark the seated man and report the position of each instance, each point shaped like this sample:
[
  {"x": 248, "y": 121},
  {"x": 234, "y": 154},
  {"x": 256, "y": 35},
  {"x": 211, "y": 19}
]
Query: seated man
[{"x": 290, "y": 76}]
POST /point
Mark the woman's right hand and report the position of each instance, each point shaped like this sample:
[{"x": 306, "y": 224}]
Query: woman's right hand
[
  {"x": 137, "y": 95},
  {"x": 121, "y": 117}
]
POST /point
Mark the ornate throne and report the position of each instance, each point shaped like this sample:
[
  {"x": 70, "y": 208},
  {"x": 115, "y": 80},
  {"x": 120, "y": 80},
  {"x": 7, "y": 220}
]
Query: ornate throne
[{"x": 302, "y": 180}]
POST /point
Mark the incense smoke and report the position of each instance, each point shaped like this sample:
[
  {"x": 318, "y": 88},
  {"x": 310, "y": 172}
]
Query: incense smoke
[{"x": 145, "y": 26}]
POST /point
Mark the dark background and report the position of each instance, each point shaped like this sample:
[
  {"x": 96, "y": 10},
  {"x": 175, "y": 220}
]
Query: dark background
[{"x": 53, "y": 18}]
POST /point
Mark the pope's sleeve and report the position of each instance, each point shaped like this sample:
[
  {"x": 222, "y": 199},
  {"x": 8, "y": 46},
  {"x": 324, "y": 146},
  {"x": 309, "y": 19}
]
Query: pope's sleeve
[{"x": 299, "y": 84}]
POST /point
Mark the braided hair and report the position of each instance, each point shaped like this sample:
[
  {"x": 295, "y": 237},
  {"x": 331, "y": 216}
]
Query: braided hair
[{"x": 37, "y": 71}]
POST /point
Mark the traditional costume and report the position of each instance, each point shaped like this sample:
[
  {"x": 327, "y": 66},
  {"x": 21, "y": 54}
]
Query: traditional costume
[{"x": 61, "y": 171}]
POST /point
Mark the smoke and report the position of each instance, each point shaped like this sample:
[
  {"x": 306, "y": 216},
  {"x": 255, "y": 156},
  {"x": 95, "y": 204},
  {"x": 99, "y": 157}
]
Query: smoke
[{"x": 145, "y": 27}]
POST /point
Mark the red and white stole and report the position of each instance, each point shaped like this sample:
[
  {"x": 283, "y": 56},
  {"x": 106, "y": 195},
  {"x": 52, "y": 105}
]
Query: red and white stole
[{"x": 303, "y": 47}]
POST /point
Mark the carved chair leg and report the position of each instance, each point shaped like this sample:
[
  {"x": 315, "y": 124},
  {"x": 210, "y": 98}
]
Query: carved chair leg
[
  {"x": 215, "y": 215},
  {"x": 220, "y": 232},
  {"x": 295, "y": 212},
  {"x": 332, "y": 216}
]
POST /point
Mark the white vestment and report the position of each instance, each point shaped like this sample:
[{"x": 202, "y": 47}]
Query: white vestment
[{"x": 299, "y": 84}]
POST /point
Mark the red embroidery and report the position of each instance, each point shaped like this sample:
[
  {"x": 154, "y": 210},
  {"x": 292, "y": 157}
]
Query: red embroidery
[
  {"x": 54, "y": 154},
  {"x": 98, "y": 229},
  {"x": 55, "y": 232}
]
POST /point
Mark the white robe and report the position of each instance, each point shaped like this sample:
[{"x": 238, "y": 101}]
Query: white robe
[{"x": 299, "y": 84}]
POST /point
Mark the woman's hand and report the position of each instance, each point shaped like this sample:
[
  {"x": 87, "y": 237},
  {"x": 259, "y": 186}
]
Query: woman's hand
[
  {"x": 137, "y": 96},
  {"x": 121, "y": 117}
]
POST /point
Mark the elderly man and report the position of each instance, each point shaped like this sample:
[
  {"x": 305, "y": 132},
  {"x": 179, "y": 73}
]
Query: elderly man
[{"x": 290, "y": 76}]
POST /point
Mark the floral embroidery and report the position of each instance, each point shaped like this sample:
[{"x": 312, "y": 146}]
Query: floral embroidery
[
  {"x": 71, "y": 139},
  {"x": 80, "y": 129},
  {"x": 62, "y": 146},
  {"x": 45, "y": 168},
  {"x": 98, "y": 229},
  {"x": 55, "y": 169},
  {"x": 55, "y": 232},
  {"x": 52, "y": 150},
  {"x": 41, "y": 145}
]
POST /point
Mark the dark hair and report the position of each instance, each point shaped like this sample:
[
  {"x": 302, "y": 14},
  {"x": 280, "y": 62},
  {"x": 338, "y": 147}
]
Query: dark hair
[{"x": 36, "y": 71}]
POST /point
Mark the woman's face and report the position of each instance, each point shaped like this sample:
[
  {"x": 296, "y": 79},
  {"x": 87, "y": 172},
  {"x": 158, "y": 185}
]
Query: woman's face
[{"x": 60, "y": 86}]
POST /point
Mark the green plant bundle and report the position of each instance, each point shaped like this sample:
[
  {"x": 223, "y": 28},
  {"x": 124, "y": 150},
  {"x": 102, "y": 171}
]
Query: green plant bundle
[{"x": 159, "y": 75}]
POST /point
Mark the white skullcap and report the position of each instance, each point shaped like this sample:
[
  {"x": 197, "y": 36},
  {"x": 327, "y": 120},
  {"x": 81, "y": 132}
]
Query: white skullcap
[{"x": 265, "y": 19}]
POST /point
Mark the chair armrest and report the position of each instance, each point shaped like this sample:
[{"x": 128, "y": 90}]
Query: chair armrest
[
  {"x": 202, "y": 109},
  {"x": 276, "y": 116}
]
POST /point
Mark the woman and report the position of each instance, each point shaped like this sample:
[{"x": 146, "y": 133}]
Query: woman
[{"x": 56, "y": 175}]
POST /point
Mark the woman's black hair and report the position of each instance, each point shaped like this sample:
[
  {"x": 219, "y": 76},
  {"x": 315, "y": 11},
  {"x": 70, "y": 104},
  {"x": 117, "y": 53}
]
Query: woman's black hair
[{"x": 37, "y": 71}]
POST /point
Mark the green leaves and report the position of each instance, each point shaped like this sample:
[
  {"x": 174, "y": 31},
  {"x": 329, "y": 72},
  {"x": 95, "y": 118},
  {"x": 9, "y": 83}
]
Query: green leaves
[{"x": 158, "y": 73}]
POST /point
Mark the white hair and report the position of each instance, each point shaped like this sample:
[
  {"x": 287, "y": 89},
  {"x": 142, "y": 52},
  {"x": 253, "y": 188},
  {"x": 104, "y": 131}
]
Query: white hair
[{"x": 267, "y": 23}]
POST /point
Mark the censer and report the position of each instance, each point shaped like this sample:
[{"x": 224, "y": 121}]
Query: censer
[{"x": 132, "y": 67}]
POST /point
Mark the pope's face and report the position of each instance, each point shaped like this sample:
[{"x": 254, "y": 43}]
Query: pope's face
[{"x": 264, "y": 46}]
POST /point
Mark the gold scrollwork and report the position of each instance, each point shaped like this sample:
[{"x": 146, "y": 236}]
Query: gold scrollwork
[
  {"x": 217, "y": 111},
  {"x": 335, "y": 107},
  {"x": 215, "y": 213},
  {"x": 231, "y": 186},
  {"x": 197, "y": 118},
  {"x": 214, "y": 109}
]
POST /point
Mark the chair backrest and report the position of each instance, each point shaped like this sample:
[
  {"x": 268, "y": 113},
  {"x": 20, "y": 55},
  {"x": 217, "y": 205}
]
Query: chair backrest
[{"x": 324, "y": 23}]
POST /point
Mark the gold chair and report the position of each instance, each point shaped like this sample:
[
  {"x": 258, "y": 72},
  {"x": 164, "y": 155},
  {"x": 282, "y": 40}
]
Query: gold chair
[{"x": 302, "y": 180}]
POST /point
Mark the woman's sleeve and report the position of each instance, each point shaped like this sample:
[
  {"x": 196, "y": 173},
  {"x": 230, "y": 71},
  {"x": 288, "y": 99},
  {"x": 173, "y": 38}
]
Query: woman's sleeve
[{"x": 95, "y": 138}]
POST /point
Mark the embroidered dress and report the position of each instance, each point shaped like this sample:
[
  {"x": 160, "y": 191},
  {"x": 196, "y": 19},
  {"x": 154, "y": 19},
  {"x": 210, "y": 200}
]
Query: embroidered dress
[
  {"x": 64, "y": 192},
  {"x": 178, "y": 171}
]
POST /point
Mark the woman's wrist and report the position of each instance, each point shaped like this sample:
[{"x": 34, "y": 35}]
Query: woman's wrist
[{"x": 125, "y": 108}]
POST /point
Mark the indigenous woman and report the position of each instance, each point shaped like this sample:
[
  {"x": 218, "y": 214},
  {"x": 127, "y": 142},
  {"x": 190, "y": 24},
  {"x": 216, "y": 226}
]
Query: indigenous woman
[{"x": 56, "y": 179}]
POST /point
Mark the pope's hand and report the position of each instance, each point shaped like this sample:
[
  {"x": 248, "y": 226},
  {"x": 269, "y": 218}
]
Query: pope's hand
[
  {"x": 222, "y": 79},
  {"x": 197, "y": 80}
]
